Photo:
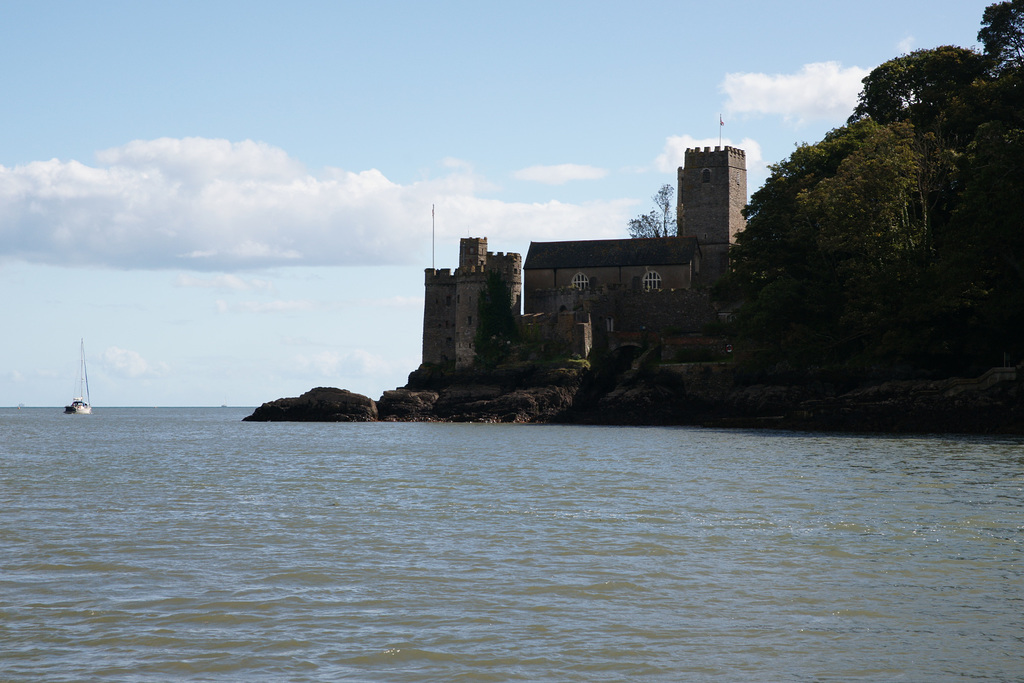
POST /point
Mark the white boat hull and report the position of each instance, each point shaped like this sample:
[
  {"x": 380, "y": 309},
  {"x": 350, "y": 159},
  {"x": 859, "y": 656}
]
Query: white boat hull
[{"x": 78, "y": 407}]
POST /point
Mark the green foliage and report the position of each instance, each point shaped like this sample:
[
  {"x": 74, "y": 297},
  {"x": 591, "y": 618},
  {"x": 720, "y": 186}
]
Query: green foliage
[
  {"x": 1002, "y": 33},
  {"x": 982, "y": 280},
  {"x": 899, "y": 238},
  {"x": 831, "y": 262},
  {"x": 645, "y": 225},
  {"x": 929, "y": 88},
  {"x": 496, "y": 331},
  {"x": 865, "y": 228},
  {"x": 791, "y": 292},
  {"x": 578, "y": 363}
]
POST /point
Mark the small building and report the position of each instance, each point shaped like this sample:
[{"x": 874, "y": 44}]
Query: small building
[
  {"x": 636, "y": 264},
  {"x": 601, "y": 292}
]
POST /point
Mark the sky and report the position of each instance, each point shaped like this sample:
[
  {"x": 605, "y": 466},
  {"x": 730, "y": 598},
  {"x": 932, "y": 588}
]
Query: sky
[{"x": 233, "y": 202}]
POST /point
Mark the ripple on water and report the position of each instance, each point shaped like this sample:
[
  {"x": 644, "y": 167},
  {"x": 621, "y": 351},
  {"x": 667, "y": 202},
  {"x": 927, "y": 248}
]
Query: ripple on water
[{"x": 201, "y": 548}]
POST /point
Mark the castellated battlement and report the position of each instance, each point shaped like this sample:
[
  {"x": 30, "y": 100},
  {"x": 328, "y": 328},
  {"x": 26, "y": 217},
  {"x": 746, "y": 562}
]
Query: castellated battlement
[
  {"x": 719, "y": 156},
  {"x": 437, "y": 275},
  {"x": 507, "y": 264}
]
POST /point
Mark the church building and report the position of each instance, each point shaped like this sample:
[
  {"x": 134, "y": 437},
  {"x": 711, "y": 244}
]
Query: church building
[{"x": 600, "y": 292}]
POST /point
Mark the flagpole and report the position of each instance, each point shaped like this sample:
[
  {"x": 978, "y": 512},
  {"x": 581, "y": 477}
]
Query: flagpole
[
  {"x": 432, "y": 267},
  {"x": 721, "y": 123}
]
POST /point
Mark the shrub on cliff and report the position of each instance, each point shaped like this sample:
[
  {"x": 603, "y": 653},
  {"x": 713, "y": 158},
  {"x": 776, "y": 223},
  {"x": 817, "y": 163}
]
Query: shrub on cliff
[{"x": 496, "y": 332}]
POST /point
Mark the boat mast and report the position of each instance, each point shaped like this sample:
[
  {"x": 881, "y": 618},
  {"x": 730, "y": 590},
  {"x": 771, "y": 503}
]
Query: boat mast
[{"x": 85, "y": 376}]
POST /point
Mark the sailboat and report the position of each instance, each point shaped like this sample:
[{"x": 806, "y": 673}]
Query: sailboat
[{"x": 80, "y": 405}]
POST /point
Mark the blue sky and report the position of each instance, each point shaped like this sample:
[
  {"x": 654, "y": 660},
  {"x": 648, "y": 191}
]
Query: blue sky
[{"x": 231, "y": 201}]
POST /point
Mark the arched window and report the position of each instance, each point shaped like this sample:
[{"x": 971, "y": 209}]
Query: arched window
[
  {"x": 705, "y": 175},
  {"x": 652, "y": 280},
  {"x": 580, "y": 281}
]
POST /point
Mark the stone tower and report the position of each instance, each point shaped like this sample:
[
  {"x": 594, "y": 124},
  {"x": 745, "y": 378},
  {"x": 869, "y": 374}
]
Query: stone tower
[
  {"x": 710, "y": 201},
  {"x": 451, "y": 301}
]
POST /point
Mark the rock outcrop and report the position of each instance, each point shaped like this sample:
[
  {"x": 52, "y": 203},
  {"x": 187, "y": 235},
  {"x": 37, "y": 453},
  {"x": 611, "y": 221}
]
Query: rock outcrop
[
  {"x": 407, "y": 405},
  {"x": 322, "y": 404},
  {"x": 990, "y": 404},
  {"x": 529, "y": 392},
  {"x": 635, "y": 391}
]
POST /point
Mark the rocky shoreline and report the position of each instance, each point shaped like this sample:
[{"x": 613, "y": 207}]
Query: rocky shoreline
[{"x": 704, "y": 394}]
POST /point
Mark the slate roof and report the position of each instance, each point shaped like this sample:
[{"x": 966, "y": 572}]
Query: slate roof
[{"x": 649, "y": 251}]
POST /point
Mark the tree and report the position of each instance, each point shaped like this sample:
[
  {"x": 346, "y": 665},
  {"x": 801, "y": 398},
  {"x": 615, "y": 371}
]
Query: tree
[
  {"x": 792, "y": 300},
  {"x": 871, "y": 236},
  {"x": 645, "y": 225},
  {"x": 660, "y": 221},
  {"x": 930, "y": 88},
  {"x": 897, "y": 240},
  {"x": 864, "y": 210},
  {"x": 946, "y": 93},
  {"x": 1002, "y": 33},
  {"x": 665, "y": 200},
  {"x": 982, "y": 279}
]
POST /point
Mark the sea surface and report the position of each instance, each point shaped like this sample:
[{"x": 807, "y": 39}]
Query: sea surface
[{"x": 185, "y": 545}]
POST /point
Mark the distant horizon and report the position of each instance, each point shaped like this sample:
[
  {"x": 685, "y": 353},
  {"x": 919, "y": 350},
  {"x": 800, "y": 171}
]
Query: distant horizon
[{"x": 102, "y": 407}]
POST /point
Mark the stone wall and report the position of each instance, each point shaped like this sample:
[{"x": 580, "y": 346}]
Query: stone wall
[
  {"x": 666, "y": 310},
  {"x": 439, "y": 328},
  {"x": 469, "y": 283},
  {"x": 612, "y": 310},
  {"x": 539, "y": 282},
  {"x": 570, "y": 331}
]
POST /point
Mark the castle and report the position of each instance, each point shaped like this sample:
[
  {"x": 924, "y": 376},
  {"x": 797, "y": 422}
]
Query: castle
[{"x": 602, "y": 293}]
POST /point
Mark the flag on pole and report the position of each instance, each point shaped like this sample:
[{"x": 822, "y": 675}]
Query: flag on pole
[{"x": 720, "y": 121}]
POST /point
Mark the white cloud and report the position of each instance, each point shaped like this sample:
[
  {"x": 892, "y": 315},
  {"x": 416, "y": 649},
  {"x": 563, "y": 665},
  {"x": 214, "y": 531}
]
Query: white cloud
[
  {"x": 560, "y": 174},
  {"x": 819, "y": 91},
  {"x": 334, "y": 364},
  {"x": 215, "y": 205},
  {"x": 232, "y": 282},
  {"x": 199, "y": 161},
  {"x": 391, "y": 302},
  {"x": 294, "y": 306},
  {"x": 906, "y": 45},
  {"x": 504, "y": 222},
  {"x": 302, "y": 305},
  {"x": 127, "y": 363}
]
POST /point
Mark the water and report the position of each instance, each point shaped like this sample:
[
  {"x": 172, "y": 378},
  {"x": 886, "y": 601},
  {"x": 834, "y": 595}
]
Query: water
[{"x": 184, "y": 544}]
